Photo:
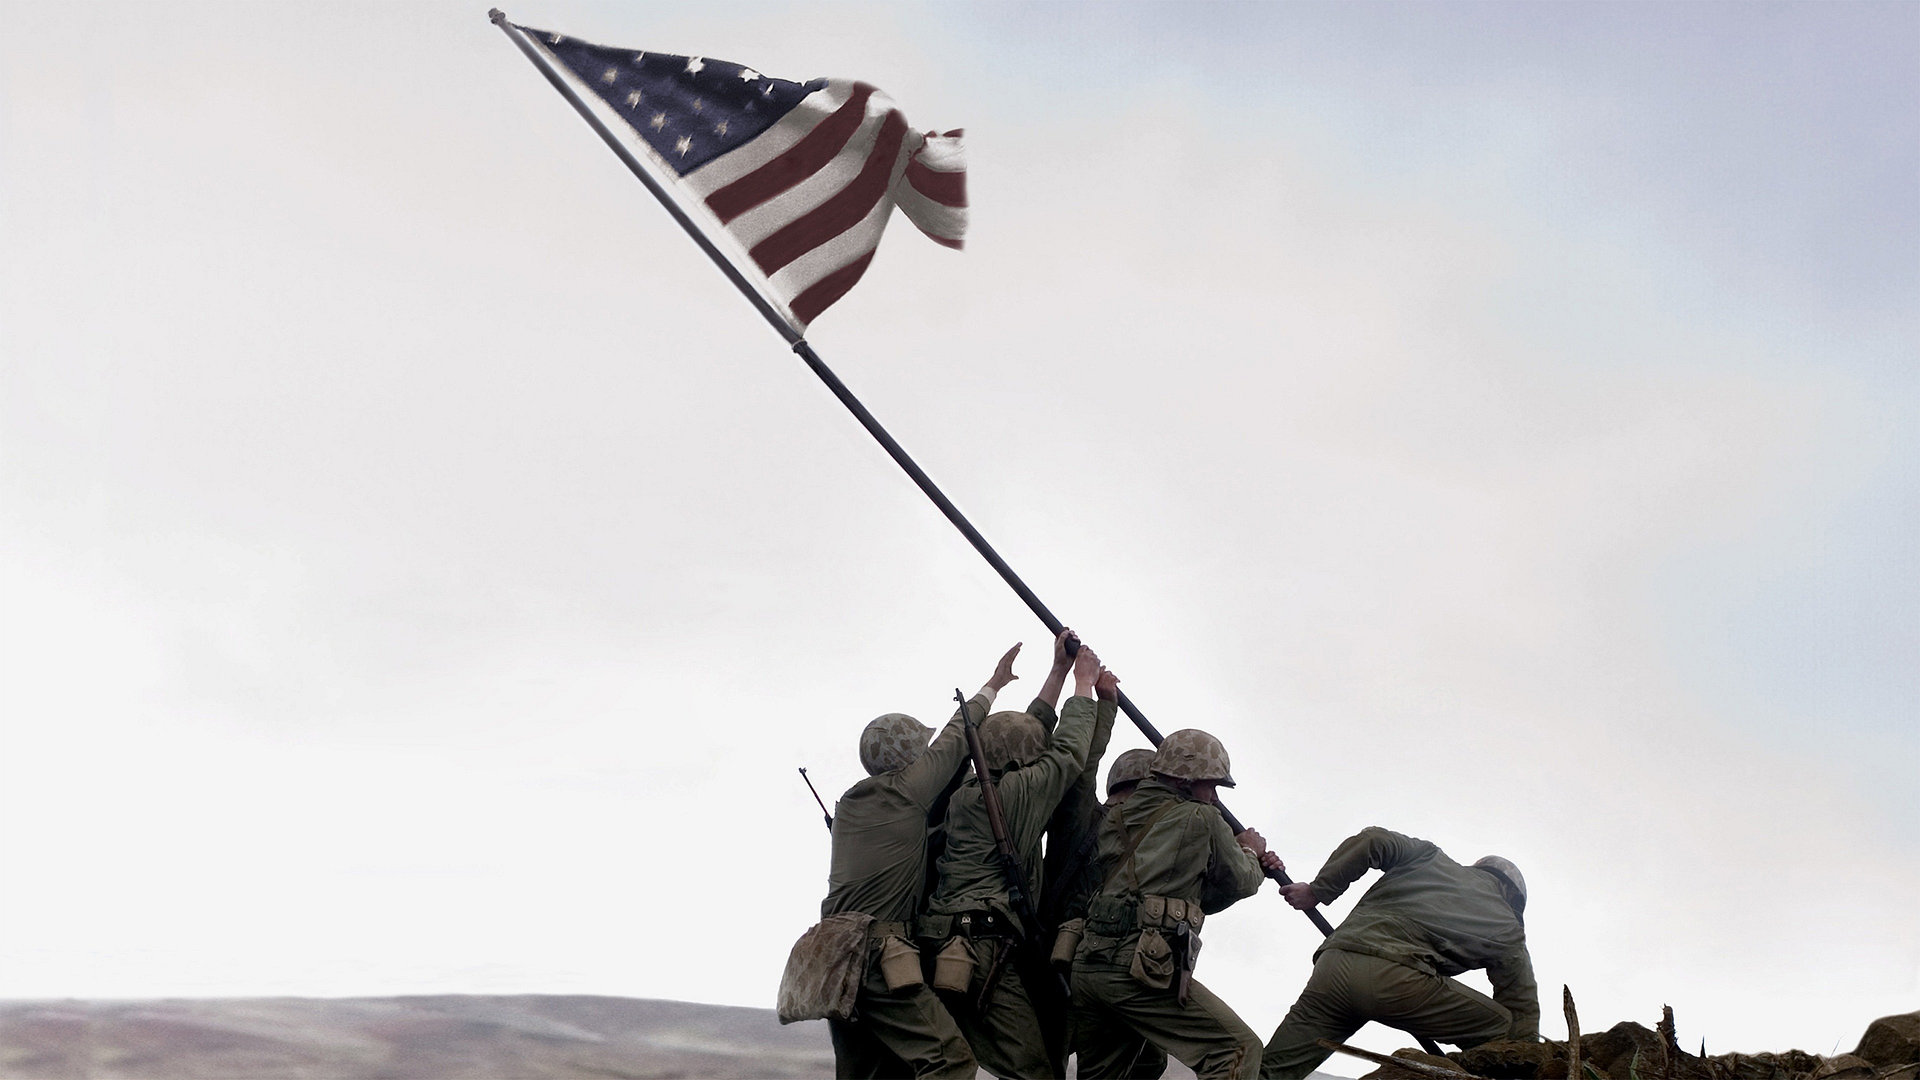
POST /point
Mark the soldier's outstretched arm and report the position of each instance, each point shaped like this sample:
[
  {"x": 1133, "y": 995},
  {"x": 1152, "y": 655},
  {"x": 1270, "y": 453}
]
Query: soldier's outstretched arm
[
  {"x": 1372, "y": 848},
  {"x": 1233, "y": 867},
  {"x": 1056, "y": 680},
  {"x": 930, "y": 773}
]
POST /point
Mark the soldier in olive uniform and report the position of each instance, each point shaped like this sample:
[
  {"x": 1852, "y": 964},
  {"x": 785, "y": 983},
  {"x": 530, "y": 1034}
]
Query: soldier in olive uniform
[
  {"x": 1071, "y": 834},
  {"x": 1426, "y": 919},
  {"x": 1071, "y": 883},
  {"x": 879, "y": 869},
  {"x": 971, "y": 913},
  {"x": 1167, "y": 860}
]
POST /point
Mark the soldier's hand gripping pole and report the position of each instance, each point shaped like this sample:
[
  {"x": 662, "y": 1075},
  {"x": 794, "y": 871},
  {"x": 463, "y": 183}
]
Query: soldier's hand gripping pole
[
  {"x": 824, "y": 812},
  {"x": 1018, "y": 893}
]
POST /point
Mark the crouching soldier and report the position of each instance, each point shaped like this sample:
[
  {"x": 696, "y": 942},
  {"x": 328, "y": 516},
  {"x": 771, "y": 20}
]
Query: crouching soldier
[
  {"x": 858, "y": 967},
  {"x": 972, "y": 918},
  {"x": 1168, "y": 860},
  {"x": 1426, "y": 919}
]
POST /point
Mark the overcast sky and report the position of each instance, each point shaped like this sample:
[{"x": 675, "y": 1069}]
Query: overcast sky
[{"x": 423, "y": 573}]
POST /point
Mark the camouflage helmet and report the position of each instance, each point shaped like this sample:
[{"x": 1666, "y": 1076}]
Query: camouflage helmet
[
  {"x": 1008, "y": 738},
  {"x": 892, "y": 741},
  {"x": 1129, "y": 768},
  {"x": 1192, "y": 754},
  {"x": 1510, "y": 874}
]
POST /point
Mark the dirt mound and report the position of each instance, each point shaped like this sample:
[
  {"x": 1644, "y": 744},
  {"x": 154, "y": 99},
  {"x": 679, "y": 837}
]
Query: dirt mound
[{"x": 1890, "y": 1050}]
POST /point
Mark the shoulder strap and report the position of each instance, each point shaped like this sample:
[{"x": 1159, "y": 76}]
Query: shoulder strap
[{"x": 1127, "y": 860}]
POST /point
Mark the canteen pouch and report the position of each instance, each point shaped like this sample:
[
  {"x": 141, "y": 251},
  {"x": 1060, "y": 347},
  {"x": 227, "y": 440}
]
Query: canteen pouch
[
  {"x": 899, "y": 964},
  {"x": 1152, "y": 960},
  {"x": 1067, "y": 941},
  {"x": 953, "y": 966}
]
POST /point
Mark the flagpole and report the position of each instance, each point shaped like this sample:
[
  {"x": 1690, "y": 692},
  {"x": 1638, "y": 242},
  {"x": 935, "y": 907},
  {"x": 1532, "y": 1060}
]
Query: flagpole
[{"x": 839, "y": 390}]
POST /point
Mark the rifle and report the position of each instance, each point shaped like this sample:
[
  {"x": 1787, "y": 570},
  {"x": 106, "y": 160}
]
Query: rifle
[
  {"x": 816, "y": 798},
  {"x": 1020, "y": 897}
]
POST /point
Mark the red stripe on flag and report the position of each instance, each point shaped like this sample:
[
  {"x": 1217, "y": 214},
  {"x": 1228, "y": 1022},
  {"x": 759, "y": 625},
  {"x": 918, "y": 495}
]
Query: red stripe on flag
[
  {"x": 820, "y": 295},
  {"x": 944, "y": 241},
  {"x": 945, "y": 188},
  {"x": 840, "y": 212},
  {"x": 801, "y": 160}
]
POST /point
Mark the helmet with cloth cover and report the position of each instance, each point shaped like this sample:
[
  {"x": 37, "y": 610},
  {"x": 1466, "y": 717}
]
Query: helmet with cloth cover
[
  {"x": 1011, "y": 738},
  {"x": 1192, "y": 754},
  {"x": 1129, "y": 768},
  {"x": 892, "y": 741}
]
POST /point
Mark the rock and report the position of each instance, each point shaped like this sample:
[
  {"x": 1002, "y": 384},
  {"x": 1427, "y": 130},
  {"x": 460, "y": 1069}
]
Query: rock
[
  {"x": 1616, "y": 1050},
  {"x": 1843, "y": 1067},
  {"x": 1891, "y": 1040},
  {"x": 1503, "y": 1060},
  {"x": 1388, "y": 1072}
]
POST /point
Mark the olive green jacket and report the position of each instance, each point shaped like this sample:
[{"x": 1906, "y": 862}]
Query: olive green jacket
[
  {"x": 970, "y": 875},
  {"x": 880, "y": 829},
  {"x": 1188, "y": 851},
  {"x": 1432, "y": 914}
]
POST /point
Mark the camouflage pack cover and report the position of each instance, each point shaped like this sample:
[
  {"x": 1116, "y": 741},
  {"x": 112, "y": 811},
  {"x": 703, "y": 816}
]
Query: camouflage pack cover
[
  {"x": 1192, "y": 754},
  {"x": 892, "y": 741},
  {"x": 1010, "y": 737},
  {"x": 825, "y": 970},
  {"x": 1129, "y": 768}
]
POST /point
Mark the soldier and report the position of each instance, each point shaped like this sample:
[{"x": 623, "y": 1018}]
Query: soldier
[
  {"x": 879, "y": 869},
  {"x": 1071, "y": 883},
  {"x": 1167, "y": 860},
  {"x": 971, "y": 914},
  {"x": 1426, "y": 919},
  {"x": 1071, "y": 834}
]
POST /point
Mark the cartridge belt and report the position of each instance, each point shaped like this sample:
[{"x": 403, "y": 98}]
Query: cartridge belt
[{"x": 970, "y": 924}]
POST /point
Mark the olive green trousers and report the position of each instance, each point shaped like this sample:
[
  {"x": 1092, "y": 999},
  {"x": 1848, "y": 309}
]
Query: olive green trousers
[
  {"x": 1348, "y": 989},
  {"x": 1005, "y": 1032},
  {"x": 904, "y": 1034},
  {"x": 1114, "y": 1014}
]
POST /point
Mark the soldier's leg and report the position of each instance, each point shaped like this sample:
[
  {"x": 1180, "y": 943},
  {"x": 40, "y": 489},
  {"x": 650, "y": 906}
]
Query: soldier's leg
[
  {"x": 857, "y": 1055},
  {"x": 1324, "y": 1010},
  {"x": 1204, "y": 1033},
  {"x": 1105, "y": 1046},
  {"x": 912, "y": 1027},
  {"x": 1005, "y": 1034},
  {"x": 1050, "y": 1010},
  {"x": 1444, "y": 1010}
]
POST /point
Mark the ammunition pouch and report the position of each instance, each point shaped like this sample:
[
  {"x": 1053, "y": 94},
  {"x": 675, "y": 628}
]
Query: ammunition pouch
[
  {"x": 1169, "y": 935},
  {"x": 1067, "y": 941},
  {"x": 899, "y": 959}
]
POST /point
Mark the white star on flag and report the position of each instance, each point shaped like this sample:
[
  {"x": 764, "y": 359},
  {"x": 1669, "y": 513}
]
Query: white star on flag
[{"x": 695, "y": 65}]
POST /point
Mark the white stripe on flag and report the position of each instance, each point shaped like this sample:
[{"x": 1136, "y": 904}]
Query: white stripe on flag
[{"x": 772, "y": 142}]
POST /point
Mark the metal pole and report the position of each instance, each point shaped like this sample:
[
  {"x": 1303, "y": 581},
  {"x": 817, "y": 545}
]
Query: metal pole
[{"x": 839, "y": 389}]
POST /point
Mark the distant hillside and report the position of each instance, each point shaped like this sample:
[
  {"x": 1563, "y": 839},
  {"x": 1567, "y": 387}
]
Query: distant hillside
[
  {"x": 452, "y": 1037},
  {"x": 532, "y": 1037}
]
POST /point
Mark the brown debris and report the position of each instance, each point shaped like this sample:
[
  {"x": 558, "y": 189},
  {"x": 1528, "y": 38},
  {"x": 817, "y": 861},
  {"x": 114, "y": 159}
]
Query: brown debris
[{"x": 1891, "y": 1040}]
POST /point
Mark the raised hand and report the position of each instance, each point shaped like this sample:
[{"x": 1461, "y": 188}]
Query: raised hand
[{"x": 1003, "y": 672}]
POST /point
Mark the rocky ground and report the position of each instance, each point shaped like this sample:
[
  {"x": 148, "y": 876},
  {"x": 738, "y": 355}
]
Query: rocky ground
[{"x": 1890, "y": 1050}]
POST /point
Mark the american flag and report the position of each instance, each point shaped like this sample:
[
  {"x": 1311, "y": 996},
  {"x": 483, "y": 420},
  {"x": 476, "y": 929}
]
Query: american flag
[{"x": 801, "y": 176}]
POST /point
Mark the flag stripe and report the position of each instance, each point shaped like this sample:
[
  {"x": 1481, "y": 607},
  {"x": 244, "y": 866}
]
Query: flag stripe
[
  {"x": 792, "y": 127},
  {"x": 800, "y": 161},
  {"x": 817, "y": 297},
  {"x": 945, "y": 188},
  {"x": 783, "y": 209},
  {"x": 843, "y": 210}
]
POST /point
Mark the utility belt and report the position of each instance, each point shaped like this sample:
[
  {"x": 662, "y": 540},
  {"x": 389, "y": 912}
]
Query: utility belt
[
  {"x": 954, "y": 963},
  {"x": 967, "y": 924},
  {"x": 1118, "y": 916},
  {"x": 1169, "y": 941}
]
